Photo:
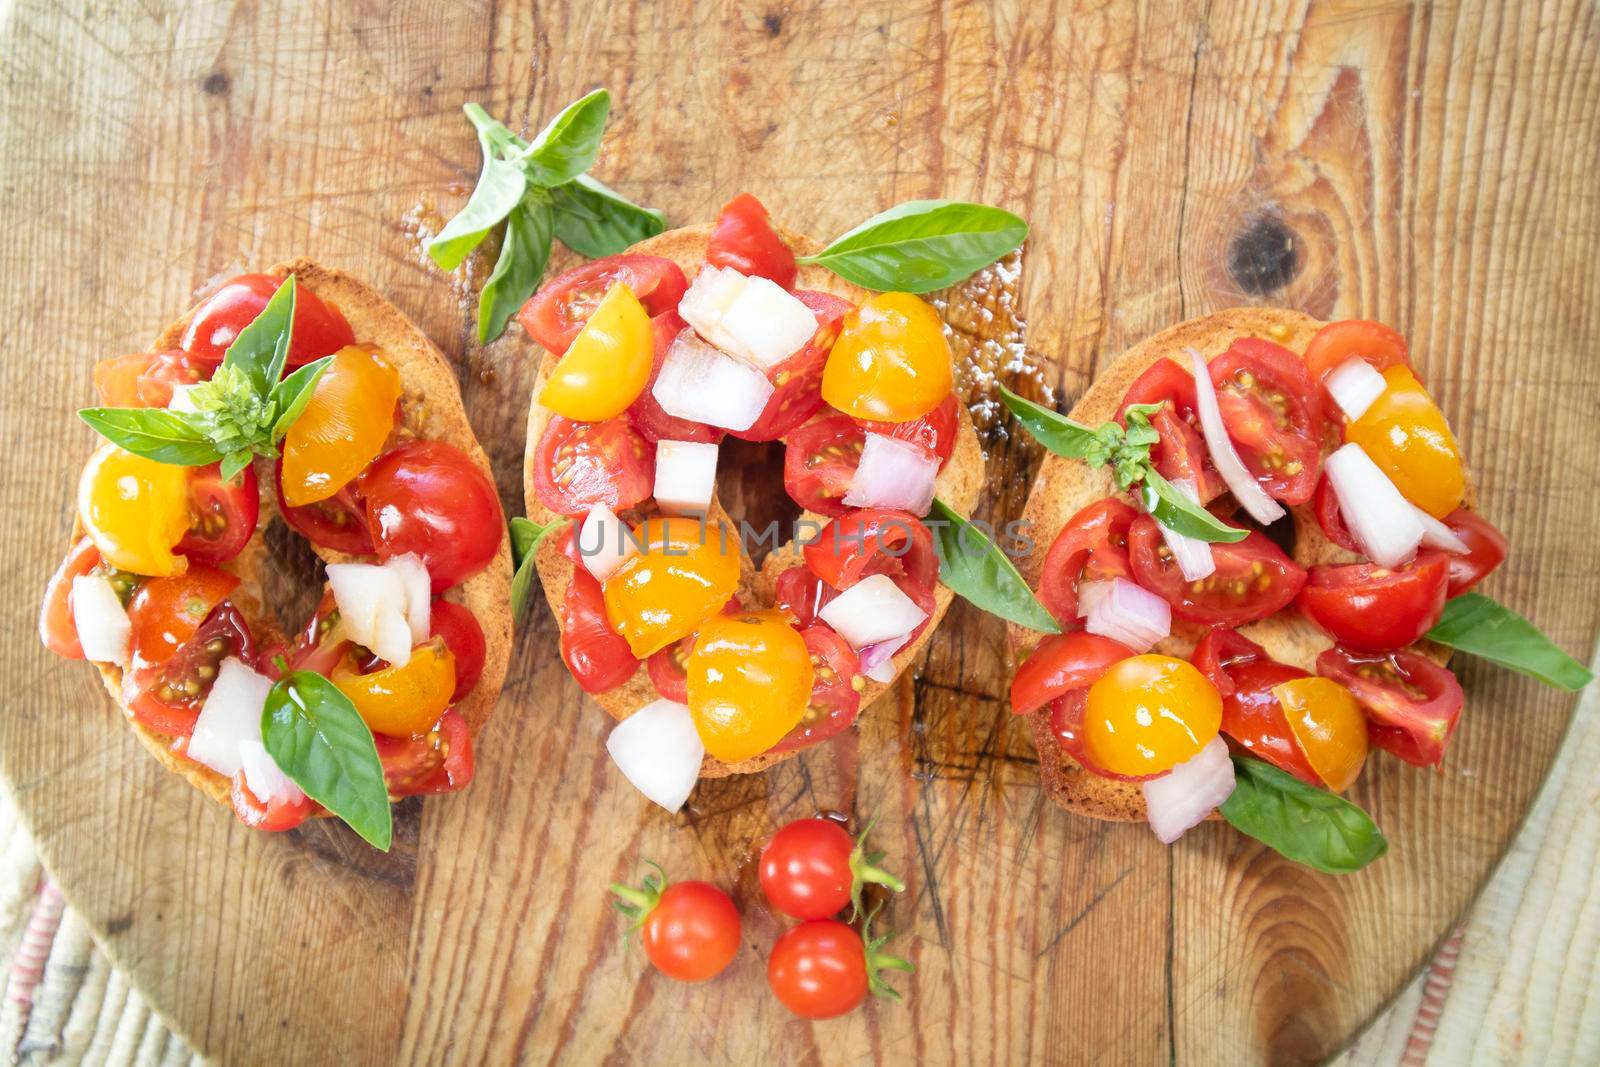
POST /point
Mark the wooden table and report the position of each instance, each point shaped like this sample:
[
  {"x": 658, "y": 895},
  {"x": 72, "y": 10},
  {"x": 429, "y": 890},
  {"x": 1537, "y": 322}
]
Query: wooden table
[{"x": 1432, "y": 166}]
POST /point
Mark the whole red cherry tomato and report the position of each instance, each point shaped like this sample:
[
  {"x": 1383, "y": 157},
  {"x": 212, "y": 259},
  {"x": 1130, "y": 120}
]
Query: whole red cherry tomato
[
  {"x": 811, "y": 869},
  {"x": 822, "y": 969},
  {"x": 743, "y": 238},
  {"x": 690, "y": 929},
  {"x": 430, "y": 498},
  {"x": 1363, "y": 605},
  {"x": 319, "y": 329}
]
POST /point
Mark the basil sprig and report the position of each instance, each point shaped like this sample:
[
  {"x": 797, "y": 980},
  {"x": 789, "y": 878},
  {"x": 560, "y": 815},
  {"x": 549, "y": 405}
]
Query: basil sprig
[
  {"x": 922, "y": 245},
  {"x": 526, "y": 536},
  {"x": 1300, "y": 821},
  {"x": 316, "y": 736},
  {"x": 976, "y": 569},
  {"x": 1126, "y": 450},
  {"x": 533, "y": 193},
  {"x": 241, "y": 412},
  {"x": 1483, "y": 627}
]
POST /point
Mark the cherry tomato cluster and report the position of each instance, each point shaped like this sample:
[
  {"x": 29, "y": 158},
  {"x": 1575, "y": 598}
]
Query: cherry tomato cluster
[
  {"x": 349, "y": 479},
  {"x": 810, "y": 870},
  {"x": 787, "y": 680}
]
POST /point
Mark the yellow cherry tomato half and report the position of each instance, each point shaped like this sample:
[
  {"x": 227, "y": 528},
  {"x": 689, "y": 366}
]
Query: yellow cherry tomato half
[
  {"x": 749, "y": 680},
  {"x": 401, "y": 701},
  {"x": 1406, "y": 435},
  {"x": 1147, "y": 714},
  {"x": 891, "y": 362},
  {"x": 607, "y": 365},
  {"x": 684, "y": 573},
  {"x": 136, "y": 511},
  {"x": 1325, "y": 718},
  {"x": 343, "y": 427}
]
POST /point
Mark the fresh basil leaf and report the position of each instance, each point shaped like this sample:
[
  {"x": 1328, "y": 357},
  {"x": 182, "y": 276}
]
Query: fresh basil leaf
[
  {"x": 1179, "y": 514},
  {"x": 293, "y": 394},
  {"x": 1481, "y": 626},
  {"x": 1304, "y": 823},
  {"x": 524, "y": 251},
  {"x": 154, "y": 433},
  {"x": 234, "y": 463},
  {"x": 922, "y": 245},
  {"x": 501, "y": 184},
  {"x": 1055, "y": 431},
  {"x": 976, "y": 569},
  {"x": 526, "y": 536},
  {"x": 595, "y": 220},
  {"x": 492, "y": 130},
  {"x": 262, "y": 348},
  {"x": 316, "y": 736},
  {"x": 568, "y": 146}
]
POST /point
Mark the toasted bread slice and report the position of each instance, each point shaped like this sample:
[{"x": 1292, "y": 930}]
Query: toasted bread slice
[
  {"x": 431, "y": 408},
  {"x": 958, "y": 485},
  {"x": 1062, "y": 487}
]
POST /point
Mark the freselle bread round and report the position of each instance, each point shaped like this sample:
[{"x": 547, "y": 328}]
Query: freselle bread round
[{"x": 958, "y": 485}]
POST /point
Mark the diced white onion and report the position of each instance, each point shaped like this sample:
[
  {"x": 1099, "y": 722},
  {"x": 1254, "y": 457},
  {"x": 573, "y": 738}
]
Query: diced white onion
[
  {"x": 877, "y": 661},
  {"x": 1436, "y": 534},
  {"x": 753, "y": 318},
  {"x": 182, "y": 400},
  {"x": 262, "y": 774},
  {"x": 1382, "y": 521},
  {"x": 419, "y": 593},
  {"x": 872, "y": 610},
  {"x": 1354, "y": 385},
  {"x": 372, "y": 605},
  {"x": 1193, "y": 556},
  {"x": 1246, "y": 490},
  {"x": 101, "y": 620},
  {"x": 686, "y": 476},
  {"x": 230, "y": 716},
  {"x": 892, "y": 474},
  {"x": 701, "y": 384},
  {"x": 1130, "y": 614},
  {"x": 1091, "y": 593},
  {"x": 658, "y": 750},
  {"x": 604, "y": 542},
  {"x": 1182, "y": 798}
]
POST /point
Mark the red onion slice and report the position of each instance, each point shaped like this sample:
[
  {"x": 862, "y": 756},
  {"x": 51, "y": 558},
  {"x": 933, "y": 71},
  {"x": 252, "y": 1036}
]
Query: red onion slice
[
  {"x": 872, "y": 610},
  {"x": 893, "y": 474},
  {"x": 877, "y": 661},
  {"x": 701, "y": 384},
  {"x": 1382, "y": 521},
  {"x": 659, "y": 751},
  {"x": 1130, "y": 614},
  {"x": 1246, "y": 490},
  {"x": 1181, "y": 799},
  {"x": 1354, "y": 385}
]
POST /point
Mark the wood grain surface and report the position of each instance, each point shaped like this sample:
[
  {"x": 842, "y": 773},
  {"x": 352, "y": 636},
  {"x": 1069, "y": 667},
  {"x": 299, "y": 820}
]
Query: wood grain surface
[{"x": 1431, "y": 165}]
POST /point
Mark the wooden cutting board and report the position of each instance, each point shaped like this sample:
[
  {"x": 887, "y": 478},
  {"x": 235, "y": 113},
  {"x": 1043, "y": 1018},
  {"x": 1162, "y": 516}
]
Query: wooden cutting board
[{"x": 1431, "y": 165}]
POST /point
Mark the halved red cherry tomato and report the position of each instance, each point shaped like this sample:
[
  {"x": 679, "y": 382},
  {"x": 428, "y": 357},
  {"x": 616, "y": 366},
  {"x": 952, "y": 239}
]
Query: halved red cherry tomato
[
  {"x": 315, "y": 648},
  {"x": 1331, "y": 519},
  {"x": 57, "y": 629},
  {"x": 1063, "y": 663},
  {"x": 818, "y": 462},
  {"x": 430, "y": 498},
  {"x": 1253, "y": 579},
  {"x": 1092, "y": 546},
  {"x": 1487, "y": 550},
  {"x": 597, "y": 656},
  {"x": 743, "y": 238},
  {"x": 1181, "y": 453},
  {"x": 464, "y": 637},
  {"x": 339, "y": 523},
  {"x": 222, "y": 515},
  {"x": 146, "y": 379},
  {"x": 167, "y": 697},
  {"x": 875, "y": 541},
  {"x": 835, "y": 700},
  {"x": 578, "y": 465},
  {"x": 1363, "y": 605},
  {"x": 797, "y": 381},
  {"x": 556, "y": 313},
  {"x": 690, "y": 929},
  {"x": 1338, "y": 341},
  {"x": 272, "y": 816},
  {"x": 1273, "y": 413},
  {"x": 646, "y": 415},
  {"x": 934, "y": 432},
  {"x": 802, "y": 594},
  {"x": 1412, "y": 703},
  {"x": 439, "y": 761},
  {"x": 167, "y": 612},
  {"x": 1245, "y": 676},
  {"x": 319, "y": 329}
]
